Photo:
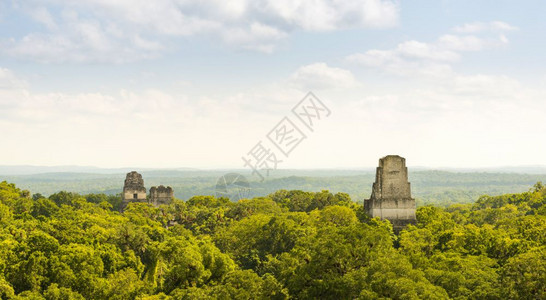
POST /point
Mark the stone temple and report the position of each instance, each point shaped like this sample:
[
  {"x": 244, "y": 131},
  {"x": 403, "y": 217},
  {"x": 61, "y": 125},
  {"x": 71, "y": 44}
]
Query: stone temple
[
  {"x": 391, "y": 194},
  {"x": 135, "y": 191},
  {"x": 161, "y": 195}
]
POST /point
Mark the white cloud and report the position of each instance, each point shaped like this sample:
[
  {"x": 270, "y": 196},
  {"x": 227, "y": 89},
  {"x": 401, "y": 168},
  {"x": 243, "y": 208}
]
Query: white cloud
[
  {"x": 433, "y": 59},
  {"x": 480, "y": 119},
  {"x": 83, "y": 40},
  {"x": 332, "y": 15},
  {"x": 97, "y": 128},
  {"x": 477, "y": 120},
  {"x": 8, "y": 80},
  {"x": 320, "y": 76},
  {"x": 477, "y": 27},
  {"x": 394, "y": 62},
  {"x": 463, "y": 43},
  {"x": 259, "y": 37},
  {"x": 98, "y": 30},
  {"x": 374, "y": 58},
  {"x": 490, "y": 85},
  {"x": 415, "y": 49},
  {"x": 472, "y": 119},
  {"x": 42, "y": 15}
]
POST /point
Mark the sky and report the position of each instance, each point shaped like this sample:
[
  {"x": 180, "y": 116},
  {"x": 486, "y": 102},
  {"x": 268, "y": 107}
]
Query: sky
[{"x": 205, "y": 84}]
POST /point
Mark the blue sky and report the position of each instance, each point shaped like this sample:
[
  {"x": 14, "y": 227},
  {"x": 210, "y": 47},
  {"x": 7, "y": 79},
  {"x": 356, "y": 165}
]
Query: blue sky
[{"x": 172, "y": 83}]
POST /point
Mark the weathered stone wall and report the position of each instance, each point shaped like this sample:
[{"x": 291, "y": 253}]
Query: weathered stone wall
[
  {"x": 391, "y": 193},
  {"x": 133, "y": 189},
  {"x": 161, "y": 195},
  {"x": 391, "y": 179}
]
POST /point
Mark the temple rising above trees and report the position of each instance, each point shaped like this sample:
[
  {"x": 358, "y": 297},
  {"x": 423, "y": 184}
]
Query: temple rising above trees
[
  {"x": 135, "y": 191},
  {"x": 391, "y": 193}
]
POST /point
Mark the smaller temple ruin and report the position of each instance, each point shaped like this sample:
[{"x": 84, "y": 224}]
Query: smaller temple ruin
[
  {"x": 391, "y": 193},
  {"x": 161, "y": 195},
  {"x": 134, "y": 191}
]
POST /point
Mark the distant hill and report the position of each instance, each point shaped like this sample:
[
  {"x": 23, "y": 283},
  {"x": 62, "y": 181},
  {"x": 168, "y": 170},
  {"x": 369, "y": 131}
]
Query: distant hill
[{"x": 428, "y": 186}]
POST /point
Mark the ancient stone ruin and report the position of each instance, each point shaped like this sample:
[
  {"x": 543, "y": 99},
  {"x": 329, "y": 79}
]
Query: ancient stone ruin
[
  {"x": 391, "y": 193},
  {"x": 134, "y": 191},
  {"x": 161, "y": 195}
]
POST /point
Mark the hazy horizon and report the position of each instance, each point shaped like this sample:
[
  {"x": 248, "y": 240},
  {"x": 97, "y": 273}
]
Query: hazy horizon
[{"x": 23, "y": 170}]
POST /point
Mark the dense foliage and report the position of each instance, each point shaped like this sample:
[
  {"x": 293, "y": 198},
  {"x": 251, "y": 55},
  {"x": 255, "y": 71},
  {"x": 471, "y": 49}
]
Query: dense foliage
[{"x": 290, "y": 244}]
